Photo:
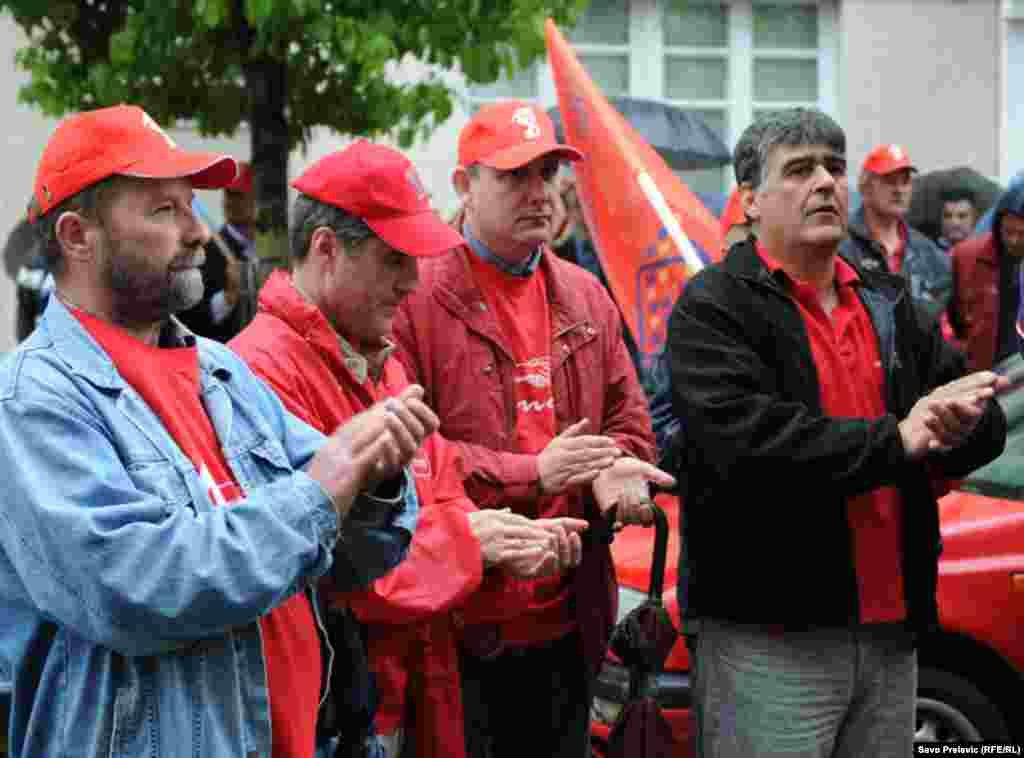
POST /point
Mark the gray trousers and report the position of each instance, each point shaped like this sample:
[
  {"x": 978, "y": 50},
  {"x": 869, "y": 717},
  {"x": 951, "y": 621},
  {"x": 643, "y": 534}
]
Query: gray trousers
[{"x": 826, "y": 693}]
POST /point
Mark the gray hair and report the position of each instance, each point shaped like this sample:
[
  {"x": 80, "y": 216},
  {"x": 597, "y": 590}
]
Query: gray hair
[
  {"x": 86, "y": 202},
  {"x": 309, "y": 214},
  {"x": 791, "y": 127}
]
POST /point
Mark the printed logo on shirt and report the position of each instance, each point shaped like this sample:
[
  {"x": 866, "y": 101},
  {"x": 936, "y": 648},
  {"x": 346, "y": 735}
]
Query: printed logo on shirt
[
  {"x": 534, "y": 392},
  {"x": 220, "y": 494},
  {"x": 535, "y": 372}
]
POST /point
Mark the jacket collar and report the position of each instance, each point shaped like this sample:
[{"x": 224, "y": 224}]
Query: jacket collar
[
  {"x": 282, "y": 300},
  {"x": 457, "y": 290},
  {"x": 744, "y": 262},
  {"x": 84, "y": 356}
]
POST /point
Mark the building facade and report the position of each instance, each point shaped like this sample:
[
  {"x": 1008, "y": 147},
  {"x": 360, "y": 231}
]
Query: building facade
[{"x": 934, "y": 75}]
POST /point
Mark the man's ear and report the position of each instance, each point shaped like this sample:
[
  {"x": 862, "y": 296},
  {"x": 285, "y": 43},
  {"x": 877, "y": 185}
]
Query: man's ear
[
  {"x": 77, "y": 236},
  {"x": 748, "y": 200},
  {"x": 323, "y": 245},
  {"x": 460, "y": 181}
]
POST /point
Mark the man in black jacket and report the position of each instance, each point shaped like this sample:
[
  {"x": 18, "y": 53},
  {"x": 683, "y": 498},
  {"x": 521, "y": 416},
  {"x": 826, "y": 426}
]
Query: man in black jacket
[
  {"x": 229, "y": 288},
  {"x": 793, "y": 369}
]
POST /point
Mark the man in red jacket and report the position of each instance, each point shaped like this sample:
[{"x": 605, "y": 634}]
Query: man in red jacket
[
  {"x": 521, "y": 356},
  {"x": 986, "y": 285},
  {"x": 320, "y": 339}
]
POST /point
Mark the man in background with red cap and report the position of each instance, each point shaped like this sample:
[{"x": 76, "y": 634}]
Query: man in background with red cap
[
  {"x": 521, "y": 356},
  {"x": 881, "y": 240},
  {"x": 321, "y": 339},
  {"x": 165, "y": 518},
  {"x": 228, "y": 302}
]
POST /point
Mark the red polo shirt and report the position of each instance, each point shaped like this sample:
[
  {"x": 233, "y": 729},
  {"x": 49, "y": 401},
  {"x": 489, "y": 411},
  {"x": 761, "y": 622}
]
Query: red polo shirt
[{"x": 845, "y": 351}]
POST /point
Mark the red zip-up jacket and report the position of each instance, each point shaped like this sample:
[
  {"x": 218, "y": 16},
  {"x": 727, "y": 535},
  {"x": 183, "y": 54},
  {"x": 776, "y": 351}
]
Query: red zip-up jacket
[
  {"x": 451, "y": 344},
  {"x": 411, "y": 641}
]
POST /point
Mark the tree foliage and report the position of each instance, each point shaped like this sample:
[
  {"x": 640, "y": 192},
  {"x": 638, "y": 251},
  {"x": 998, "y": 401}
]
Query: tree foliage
[{"x": 193, "y": 60}]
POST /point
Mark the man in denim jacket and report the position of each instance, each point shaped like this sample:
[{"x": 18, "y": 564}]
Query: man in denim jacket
[{"x": 165, "y": 518}]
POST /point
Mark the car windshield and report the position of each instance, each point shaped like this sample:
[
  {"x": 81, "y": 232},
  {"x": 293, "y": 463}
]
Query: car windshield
[{"x": 1004, "y": 477}]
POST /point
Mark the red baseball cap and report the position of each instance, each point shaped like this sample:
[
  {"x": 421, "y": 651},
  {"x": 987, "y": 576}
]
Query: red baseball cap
[
  {"x": 243, "y": 182},
  {"x": 510, "y": 134},
  {"x": 92, "y": 145},
  {"x": 380, "y": 185},
  {"x": 733, "y": 213},
  {"x": 885, "y": 159}
]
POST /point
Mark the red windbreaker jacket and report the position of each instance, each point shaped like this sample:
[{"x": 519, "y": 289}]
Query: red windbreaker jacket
[
  {"x": 292, "y": 347},
  {"x": 450, "y": 343}
]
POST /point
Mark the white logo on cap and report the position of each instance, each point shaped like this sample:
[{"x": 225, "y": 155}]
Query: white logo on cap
[
  {"x": 527, "y": 119},
  {"x": 897, "y": 152},
  {"x": 149, "y": 123},
  {"x": 417, "y": 185}
]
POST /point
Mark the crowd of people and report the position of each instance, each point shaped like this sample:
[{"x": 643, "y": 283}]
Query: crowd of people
[{"x": 367, "y": 510}]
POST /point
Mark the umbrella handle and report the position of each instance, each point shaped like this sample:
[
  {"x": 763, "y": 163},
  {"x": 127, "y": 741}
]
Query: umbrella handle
[
  {"x": 660, "y": 547},
  {"x": 660, "y": 553}
]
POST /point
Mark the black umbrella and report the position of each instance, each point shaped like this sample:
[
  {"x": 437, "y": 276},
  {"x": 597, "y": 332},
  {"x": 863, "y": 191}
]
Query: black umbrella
[
  {"x": 925, "y": 212},
  {"x": 681, "y": 137},
  {"x": 642, "y": 641}
]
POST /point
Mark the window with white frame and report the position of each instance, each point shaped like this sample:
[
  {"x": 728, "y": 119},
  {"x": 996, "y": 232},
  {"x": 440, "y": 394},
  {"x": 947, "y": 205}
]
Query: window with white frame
[{"x": 726, "y": 61}]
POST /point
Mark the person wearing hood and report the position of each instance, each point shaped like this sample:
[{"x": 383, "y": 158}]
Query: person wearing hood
[
  {"x": 986, "y": 285},
  {"x": 880, "y": 239}
]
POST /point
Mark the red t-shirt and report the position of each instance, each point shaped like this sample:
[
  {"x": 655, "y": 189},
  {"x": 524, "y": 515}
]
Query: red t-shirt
[
  {"x": 896, "y": 256},
  {"x": 520, "y": 306},
  {"x": 845, "y": 351},
  {"x": 168, "y": 380}
]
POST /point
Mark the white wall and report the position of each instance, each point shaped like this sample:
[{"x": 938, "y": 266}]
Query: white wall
[{"x": 925, "y": 74}]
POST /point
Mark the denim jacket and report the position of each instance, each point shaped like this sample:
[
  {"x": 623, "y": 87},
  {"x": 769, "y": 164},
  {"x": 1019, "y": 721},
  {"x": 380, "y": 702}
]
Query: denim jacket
[
  {"x": 926, "y": 267},
  {"x": 135, "y": 600}
]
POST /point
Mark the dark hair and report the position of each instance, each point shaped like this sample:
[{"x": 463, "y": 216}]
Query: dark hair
[
  {"x": 790, "y": 127},
  {"x": 309, "y": 214},
  {"x": 87, "y": 202},
  {"x": 959, "y": 194}
]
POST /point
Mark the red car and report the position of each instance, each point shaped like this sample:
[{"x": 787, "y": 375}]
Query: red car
[{"x": 971, "y": 671}]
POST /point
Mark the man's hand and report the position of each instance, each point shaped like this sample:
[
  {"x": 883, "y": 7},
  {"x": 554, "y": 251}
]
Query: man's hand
[
  {"x": 946, "y": 417},
  {"x": 524, "y": 547},
  {"x": 372, "y": 446},
  {"x": 626, "y": 484},
  {"x": 562, "y": 550},
  {"x": 415, "y": 422},
  {"x": 348, "y": 459},
  {"x": 574, "y": 458}
]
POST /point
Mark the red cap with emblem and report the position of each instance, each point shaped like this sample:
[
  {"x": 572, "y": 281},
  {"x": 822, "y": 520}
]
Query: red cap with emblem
[
  {"x": 885, "y": 159},
  {"x": 380, "y": 185},
  {"x": 93, "y": 145},
  {"x": 510, "y": 134}
]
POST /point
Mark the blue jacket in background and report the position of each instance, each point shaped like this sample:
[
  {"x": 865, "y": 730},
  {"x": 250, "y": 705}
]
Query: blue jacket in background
[
  {"x": 926, "y": 267},
  {"x": 130, "y": 602}
]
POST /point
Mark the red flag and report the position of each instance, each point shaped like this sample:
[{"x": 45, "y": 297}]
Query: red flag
[{"x": 650, "y": 231}]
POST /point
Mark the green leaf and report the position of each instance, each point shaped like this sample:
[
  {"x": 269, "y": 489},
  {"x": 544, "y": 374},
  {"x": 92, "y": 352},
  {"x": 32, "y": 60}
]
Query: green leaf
[
  {"x": 258, "y": 11},
  {"x": 122, "y": 46},
  {"x": 212, "y": 12}
]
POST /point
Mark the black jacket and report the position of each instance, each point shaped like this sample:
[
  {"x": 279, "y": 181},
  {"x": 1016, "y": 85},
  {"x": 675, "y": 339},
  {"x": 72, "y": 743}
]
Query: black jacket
[
  {"x": 764, "y": 528},
  {"x": 199, "y": 318}
]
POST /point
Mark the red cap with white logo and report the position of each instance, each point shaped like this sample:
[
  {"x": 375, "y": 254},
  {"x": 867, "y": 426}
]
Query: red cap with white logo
[
  {"x": 510, "y": 134},
  {"x": 885, "y": 159}
]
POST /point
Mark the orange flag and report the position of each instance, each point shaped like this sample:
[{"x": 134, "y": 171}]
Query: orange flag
[{"x": 650, "y": 231}]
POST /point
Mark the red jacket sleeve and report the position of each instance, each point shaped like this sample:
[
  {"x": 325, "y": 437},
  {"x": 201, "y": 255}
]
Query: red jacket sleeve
[{"x": 443, "y": 566}]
